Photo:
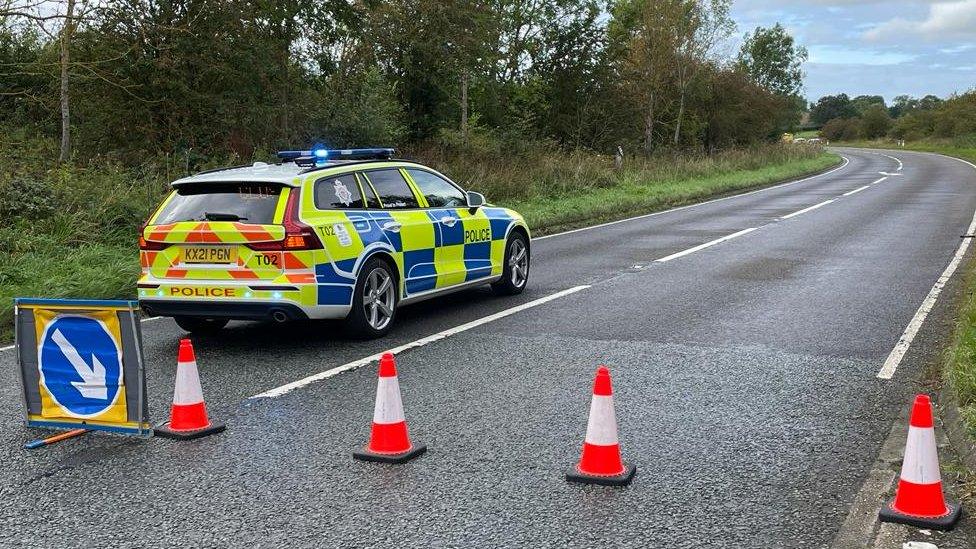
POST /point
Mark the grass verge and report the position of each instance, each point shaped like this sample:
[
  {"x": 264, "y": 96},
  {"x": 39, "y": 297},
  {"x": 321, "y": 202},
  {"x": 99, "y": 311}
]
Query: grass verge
[
  {"x": 634, "y": 196},
  {"x": 70, "y": 230}
]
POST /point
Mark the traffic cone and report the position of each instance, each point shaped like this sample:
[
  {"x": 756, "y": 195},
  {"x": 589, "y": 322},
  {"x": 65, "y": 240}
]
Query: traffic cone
[
  {"x": 388, "y": 440},
  {"x": 188, "y": 415},
  {"x": 601, "y": 463},
  {"x": 919, "y": 500}
]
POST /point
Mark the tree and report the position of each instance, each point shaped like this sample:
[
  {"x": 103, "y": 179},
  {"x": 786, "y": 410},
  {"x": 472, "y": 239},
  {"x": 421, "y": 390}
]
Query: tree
[
  {"x": 59, "y": 21},
  {"x": 640, "y": 33},
  {"x": 832, "y": 106},
  {"x": 861, "y": 103},
  {"x": 700, "y": 25},
  {"x": 773, "y": 60},
  {"x": 875, "y": 121}
]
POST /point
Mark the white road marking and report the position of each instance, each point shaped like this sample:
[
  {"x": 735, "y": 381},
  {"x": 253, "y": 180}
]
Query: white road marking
[
  {"x": 808, "y": 209},
  {"x": 7, "y": 348},
  {"x": 697, "y": 204},
  {"x": 905, "y": 341},
  {"x": 857, "y": 190},
  {"x": 886, "y": 174},
  {"x": 278, "y": 391},
  {"x": 900, "y": 165},
  {"x": 705, "y": 245}
]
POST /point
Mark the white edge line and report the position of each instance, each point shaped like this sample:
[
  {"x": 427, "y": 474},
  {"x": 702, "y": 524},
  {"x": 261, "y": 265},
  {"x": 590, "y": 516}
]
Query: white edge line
[
  {"x": 697, "y": 204},
  {"x": 7, "y": 348},
  {"x": 808, "y": 209},
  {"x": 278, "y": 391},
  {"x": 905, "y": 341},
  {"x": 705, "y": 245},
  {"x": 857, "y": 190}
]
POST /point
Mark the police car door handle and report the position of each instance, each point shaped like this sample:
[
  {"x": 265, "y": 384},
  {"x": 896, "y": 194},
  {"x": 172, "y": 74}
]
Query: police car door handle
[
  {"x": 392, "y": 226},
  {"x": 449, "y": 220}
]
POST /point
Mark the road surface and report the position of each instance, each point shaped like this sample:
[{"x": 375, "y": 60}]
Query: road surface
[{"x": 745, "y": 377}]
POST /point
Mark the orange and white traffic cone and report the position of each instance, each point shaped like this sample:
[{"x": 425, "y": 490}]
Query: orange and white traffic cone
[
  {"x": 601, "y": 463},
  {"x": 919, "y": 500},
  {"x": 188, "y": 415},
  {"x": 388, "y": 440}
]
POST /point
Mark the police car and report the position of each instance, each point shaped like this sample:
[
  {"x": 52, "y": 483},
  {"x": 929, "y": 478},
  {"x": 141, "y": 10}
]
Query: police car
[{"x": 339, "y": 234}]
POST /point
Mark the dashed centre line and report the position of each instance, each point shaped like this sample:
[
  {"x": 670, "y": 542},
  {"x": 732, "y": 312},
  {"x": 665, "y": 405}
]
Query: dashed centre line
[
  {"x": 705, "y": 245},
  {"x": 808, "y": 209},
  {"x": 857, "y": 190}
]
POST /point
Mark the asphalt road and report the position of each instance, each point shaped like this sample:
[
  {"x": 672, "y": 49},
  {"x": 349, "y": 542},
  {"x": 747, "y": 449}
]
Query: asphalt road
[{"x": 744, "y": 376}]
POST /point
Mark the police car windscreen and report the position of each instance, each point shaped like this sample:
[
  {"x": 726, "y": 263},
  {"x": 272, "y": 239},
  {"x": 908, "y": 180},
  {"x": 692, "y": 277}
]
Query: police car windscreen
[{"x": 244, "y": 202}]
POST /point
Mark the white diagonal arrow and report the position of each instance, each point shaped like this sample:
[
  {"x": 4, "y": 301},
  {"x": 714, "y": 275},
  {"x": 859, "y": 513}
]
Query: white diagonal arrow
[{"x": 93, "y": 378}]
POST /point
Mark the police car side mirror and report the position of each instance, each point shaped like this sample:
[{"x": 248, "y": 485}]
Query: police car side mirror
[{"x": 475, "y": 200}]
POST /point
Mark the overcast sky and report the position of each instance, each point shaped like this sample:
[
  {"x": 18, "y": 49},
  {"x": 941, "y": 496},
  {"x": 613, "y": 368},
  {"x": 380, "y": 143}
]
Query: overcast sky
[{"x": 879, "y": 48}]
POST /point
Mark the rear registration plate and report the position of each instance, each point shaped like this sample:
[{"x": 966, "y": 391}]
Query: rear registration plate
[{"x": 209, "y": 254}]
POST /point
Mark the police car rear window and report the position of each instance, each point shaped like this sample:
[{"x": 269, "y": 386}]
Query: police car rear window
[{"x": 244, "y": 202}]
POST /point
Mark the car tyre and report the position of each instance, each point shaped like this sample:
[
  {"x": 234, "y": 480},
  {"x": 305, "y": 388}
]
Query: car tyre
[
  {"x": 515, "y": 273},
  {"x": 374, "y": 302},
  {"x": 200, "y": 326}
]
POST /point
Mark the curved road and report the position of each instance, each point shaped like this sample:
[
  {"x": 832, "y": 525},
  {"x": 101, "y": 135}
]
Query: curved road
[{"x": 745, "y": 377}]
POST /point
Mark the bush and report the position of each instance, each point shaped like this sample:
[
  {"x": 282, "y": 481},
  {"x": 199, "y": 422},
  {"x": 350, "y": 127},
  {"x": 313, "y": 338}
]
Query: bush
[
  {"x": 25, "y": 198},
  {"x": 842, "y": 129},
  {"x": 875, "y": 122}
]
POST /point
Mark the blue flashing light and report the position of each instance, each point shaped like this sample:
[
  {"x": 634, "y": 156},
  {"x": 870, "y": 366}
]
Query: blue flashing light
[
  {"x": 276, "y": 295},
  {"x": 320, "y": 154}
]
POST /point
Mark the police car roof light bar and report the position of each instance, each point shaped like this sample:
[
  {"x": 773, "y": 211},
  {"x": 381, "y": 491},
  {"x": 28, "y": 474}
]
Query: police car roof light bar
[{"x": 338, "y": 154}]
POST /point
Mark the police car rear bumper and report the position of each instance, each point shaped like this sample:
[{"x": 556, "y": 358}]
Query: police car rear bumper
[{"x": 223, "y": 309}]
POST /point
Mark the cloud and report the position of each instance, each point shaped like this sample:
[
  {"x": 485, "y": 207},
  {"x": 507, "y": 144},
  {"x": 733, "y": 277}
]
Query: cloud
[
  {"x": 945, "y": 21},
  {"x": 840, "y": 55}
]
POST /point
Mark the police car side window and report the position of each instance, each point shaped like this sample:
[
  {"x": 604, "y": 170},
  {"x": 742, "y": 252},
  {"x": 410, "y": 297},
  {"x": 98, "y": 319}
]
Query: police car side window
[
  {"x": 439, "y": 192},
  {"x": 337, "y": 193},
  {"x": 392, "y": 189},
  {"x": 371, "y": 201}
]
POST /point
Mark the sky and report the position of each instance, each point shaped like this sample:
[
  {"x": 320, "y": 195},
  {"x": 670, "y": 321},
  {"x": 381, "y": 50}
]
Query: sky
[{"x": 872, "y": 47}]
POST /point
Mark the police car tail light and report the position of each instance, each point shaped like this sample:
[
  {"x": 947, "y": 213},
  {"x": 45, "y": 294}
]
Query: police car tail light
[
  {"x": 298, "y": 236},
  {"x": 149, "y": 245}
]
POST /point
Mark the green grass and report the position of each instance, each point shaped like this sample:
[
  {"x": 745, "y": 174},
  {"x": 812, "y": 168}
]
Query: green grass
[
  {"x": 808, "y": 134},
  {"x": 71, "y": 231},
  {"x": 634, "y": 195}
]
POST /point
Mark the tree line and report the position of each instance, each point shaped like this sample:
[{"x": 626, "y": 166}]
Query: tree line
[
  {"x": 245, "y": 76},
  {"x": 908, "y": 118}
]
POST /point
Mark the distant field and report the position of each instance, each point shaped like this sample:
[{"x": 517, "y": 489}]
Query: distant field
[
  {"x": 808, "y": 134},
  {"x": 71, "y": 231}
]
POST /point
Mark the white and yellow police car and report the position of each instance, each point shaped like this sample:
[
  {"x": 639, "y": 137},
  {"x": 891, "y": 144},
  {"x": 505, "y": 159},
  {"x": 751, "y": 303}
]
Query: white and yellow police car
[{"x": 350, "y": 234}]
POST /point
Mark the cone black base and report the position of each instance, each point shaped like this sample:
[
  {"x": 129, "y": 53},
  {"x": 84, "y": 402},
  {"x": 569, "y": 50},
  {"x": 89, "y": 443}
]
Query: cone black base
[
  {"x": 165, "y": 432},
  {"x": 366, "y": 455},
  {"x": 623, "y": 479},
  {"x": 945, "y": 523}
]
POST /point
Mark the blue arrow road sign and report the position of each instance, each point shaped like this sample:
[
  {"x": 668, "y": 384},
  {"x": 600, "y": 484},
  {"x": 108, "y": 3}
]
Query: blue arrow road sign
[{"x": 81, "y": 365}]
